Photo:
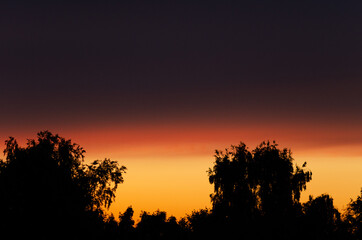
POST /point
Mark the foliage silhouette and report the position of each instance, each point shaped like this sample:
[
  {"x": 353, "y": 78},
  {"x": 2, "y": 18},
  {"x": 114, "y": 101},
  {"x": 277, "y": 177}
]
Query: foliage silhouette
[
  {"x": 126, "y": 222},
  {"x": 259, "y": 188},
  {"x": 47, "y": 185},
  {"x": 321, "y": 218},
  {"x": 156, "y": 226},
  {"x": 354, "y": 217},
  {"x": 202, "y": 224},
  {"x": 48, "y": 192}
]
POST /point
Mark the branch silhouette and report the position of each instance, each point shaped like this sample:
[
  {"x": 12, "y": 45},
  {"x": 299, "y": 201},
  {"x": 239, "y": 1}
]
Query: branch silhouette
[{"x": 48, "y": 192}]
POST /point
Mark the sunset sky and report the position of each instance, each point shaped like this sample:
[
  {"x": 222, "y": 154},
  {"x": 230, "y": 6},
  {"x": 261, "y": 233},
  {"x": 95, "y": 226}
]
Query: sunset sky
[{"x": 159, "y": 86}]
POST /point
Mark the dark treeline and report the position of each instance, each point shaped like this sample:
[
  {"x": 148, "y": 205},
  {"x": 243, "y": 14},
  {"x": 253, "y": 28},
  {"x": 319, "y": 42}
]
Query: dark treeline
[{"x": 48, "y": 192}]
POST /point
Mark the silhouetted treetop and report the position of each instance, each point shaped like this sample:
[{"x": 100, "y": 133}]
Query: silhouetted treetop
[
  {"x": 354, "y": 216},
  {"x": 234, "y": 183},
  {"x": 48, "y": 191},
  {"x": 252, "y": 184},
  {"x": 49, "y": 179},
  {"x": 98, "y": 180},
  {"x": 279, "y": 183}
]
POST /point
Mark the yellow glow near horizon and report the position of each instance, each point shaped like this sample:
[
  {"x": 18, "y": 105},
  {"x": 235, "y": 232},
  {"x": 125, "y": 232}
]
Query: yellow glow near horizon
[
  {"x": 176, "y": 186},
  {"x": 179, "y": 184},
  {"x": 167, "y": 166}
]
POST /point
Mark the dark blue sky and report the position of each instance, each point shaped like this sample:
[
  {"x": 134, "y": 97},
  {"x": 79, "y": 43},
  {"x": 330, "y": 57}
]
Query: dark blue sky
[{"x": 64, "y": 64}]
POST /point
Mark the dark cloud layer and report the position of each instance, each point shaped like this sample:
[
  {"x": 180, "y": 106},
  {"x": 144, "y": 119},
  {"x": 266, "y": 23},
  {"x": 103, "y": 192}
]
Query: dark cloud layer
[{"x": 66, "y": 63}]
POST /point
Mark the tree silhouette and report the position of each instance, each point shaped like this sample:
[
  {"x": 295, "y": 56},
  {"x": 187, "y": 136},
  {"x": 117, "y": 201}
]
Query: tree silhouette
[
  {"x": 279, "y": 183},
  {"x": 111, "y": 230},
  {"x": 46, "y": 188},
  {"x": 202, "y": 224},
  {"x": 354, "y": 216},
  {"x": 155, "y": 226},
  {"x": 321, "y": 218},
  {"x": 48, "y": 192},
  {"x": 126, "y": 222},
  {"x": 256, "y": 189},
  {"x": 233, "y": 183}
]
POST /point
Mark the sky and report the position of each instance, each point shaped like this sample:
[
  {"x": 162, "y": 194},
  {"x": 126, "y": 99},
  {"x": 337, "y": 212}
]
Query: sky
[{"x": 158, "y": 86}]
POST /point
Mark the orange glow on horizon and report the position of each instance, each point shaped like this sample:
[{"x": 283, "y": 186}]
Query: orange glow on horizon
[{"x": 167, "y": 164}]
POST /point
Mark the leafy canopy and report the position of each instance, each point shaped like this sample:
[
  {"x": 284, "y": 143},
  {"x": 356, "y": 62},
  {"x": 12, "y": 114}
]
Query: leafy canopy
[
  {"x": 263, "y": 181},
  {"x": 51, "y": 170}
]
